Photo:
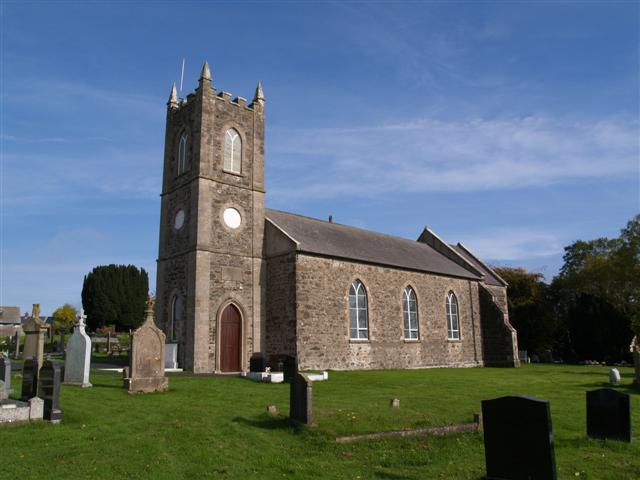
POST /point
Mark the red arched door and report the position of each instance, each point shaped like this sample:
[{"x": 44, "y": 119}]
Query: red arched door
[{"x": 230, "y": 338}]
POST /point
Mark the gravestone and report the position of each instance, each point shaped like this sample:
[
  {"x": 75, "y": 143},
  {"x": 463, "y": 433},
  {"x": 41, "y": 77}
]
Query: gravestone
[
  {"x": 29, "y": 379},
  {"x": 614, "y": 376},
  {"x": 146, "y": 367},
  {"x": 289, "y": 368},
  {"x": 5, "y": 372},
  {"x": 300, "y": 399},
  {"x": 17, "y": 343},
  {"x": 34, "y": 330},
  {"x": 395, "y": 403},
  {"x": 257, "y": 362},
  {"x": 608, "y": 415},
  {"x": 4, "y": 392},
  {"x": 63, "y": 331},
  {"x": 78, "y": 359},
  {"x": 49, "y": 390},
  {"x": 518, "y": 440},
  {"x": 171, "y": 355}
]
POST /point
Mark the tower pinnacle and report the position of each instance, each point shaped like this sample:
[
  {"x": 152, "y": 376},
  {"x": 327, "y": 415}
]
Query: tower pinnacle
[
  {"x": 259, "y": 96},
  {"x": 206, "y": 73},
  {"x": 173, "y": 98}
]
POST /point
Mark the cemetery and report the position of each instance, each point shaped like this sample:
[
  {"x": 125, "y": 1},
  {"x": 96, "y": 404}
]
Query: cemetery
[{"x": 228, "y": 427}]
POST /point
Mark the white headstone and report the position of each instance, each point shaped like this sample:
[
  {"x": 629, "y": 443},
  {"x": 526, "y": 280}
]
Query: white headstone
[
  {"x": 36, "y": 408},
  {"x": 614, "y": 376},
  {"x": 171, "y": 356},
  {"x": 78, "y": 358}
]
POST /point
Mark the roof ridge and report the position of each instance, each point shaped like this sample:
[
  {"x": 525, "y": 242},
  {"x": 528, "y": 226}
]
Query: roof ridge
[{"x": 326, "y": 222}]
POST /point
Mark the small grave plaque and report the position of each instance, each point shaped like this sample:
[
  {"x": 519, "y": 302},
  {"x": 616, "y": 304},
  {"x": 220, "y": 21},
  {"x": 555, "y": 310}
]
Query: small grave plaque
[
  {"x": 50, "y": 380},
  {"x": 608, "y": 415},
  {"x": 614, "y": 376},
  {"x": 300, "y": 399},
  {"x": 29, "y": 379},
  {"x": 518, "y": 440}
]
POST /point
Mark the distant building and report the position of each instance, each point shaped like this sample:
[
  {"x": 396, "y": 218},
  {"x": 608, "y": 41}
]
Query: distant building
[
  {"x": 235, "y": 278},
  {"x": 10, "y": 320}
]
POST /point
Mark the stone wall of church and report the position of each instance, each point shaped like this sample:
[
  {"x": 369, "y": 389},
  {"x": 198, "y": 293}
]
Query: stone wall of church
[
  {"x": 322, "y": 294},
  {"x": 280, "y": 329},
  {"x": 500, "y": 343}
]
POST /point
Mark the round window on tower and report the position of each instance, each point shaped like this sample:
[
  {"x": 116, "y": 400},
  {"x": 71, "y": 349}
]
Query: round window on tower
[
  {"x": 178, "y": 220},
  {"x": 232, "y": 218}
]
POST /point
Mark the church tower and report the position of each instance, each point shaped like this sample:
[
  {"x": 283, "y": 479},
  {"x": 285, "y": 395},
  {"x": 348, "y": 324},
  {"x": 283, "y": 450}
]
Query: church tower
[{"x": 210, "y": 277}]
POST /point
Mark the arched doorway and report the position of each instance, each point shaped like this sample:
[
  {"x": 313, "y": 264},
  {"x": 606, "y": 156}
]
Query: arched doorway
[{"x": 230, "y": 338}]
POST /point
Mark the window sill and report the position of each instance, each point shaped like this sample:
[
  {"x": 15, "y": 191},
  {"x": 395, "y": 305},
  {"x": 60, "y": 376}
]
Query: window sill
[
  {"x": 235, "y": 174},
  {"x": 411, "y": 340},
  {"x": 454, "y": 340},
  {"x": 359, "y": 340}
]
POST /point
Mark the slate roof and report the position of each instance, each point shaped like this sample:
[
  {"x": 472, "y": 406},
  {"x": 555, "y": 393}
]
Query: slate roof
[
  {"x": 490, "y": 277},
  {"x": 342, "y": 241},
  {"x": 10, "y": 315}
]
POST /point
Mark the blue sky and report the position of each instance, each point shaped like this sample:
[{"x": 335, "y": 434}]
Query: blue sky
[{"x": 510, "y": 126}]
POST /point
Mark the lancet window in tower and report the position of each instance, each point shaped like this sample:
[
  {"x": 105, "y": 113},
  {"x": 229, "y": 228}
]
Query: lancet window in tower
[
  {"x": 176, "y": 316},
  {"x": 183, "y": 153},
  {"x": 232, "y": 151}
]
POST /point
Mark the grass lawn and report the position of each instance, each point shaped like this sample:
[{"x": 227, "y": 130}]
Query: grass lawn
[{"x": 217, "y": 427}]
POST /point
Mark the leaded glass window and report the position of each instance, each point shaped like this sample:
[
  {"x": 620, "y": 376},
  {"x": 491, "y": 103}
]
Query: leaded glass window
[
  {"x": 410, "y": 314},
  {"x": 453, "y": 324},
  {"x": 232, "y": 151},
  {"x": 358, "y": 318}
]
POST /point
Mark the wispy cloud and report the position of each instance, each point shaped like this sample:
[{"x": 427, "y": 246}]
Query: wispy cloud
[
  {"x": 507, "y": 244},
  {"x": 428, "y": 155}
]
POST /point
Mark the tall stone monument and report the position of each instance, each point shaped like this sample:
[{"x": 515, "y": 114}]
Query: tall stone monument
[
  {"x": 146, "y": 367},
  {"x": 34, "y": 330},
  {"x": 78, "y": 358}
]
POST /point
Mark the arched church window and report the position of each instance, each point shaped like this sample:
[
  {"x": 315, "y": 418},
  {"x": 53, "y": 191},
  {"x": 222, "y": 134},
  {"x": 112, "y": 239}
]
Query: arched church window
[
  {"x": 176, "y": 316},
  {"x": 453, "y": 324},
  {"x": 183, "y": 153},
  {"x": 358, "y": 318},
  {"x": 410, "y": 314},
  {"x": 232, "y": 151}
]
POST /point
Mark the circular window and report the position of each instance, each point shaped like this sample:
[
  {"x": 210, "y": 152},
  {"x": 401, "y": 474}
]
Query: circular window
[
  {"x": 232, "y": 218},
  {"x": 178, "y": 220}
]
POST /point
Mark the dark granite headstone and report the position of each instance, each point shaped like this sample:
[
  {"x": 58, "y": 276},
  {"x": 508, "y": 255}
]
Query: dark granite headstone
[
  {"x": 518, "y": 440},
  {"x": 300, "y": 399},
  {"x": 608, "y": 415},
  {"x": 5, "y": 371},
  {"x": 257, "y": 363},
  {"x": 289, "y": 368},
  {"x": 29, "y": 379},
  {"x": 50, "y": 380}
]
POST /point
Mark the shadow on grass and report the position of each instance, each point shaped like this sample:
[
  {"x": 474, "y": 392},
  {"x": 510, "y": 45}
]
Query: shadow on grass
[
  {"x": 270, "y": 423},
  {"x": 104, "y": 385},
  {"x": 629, "y": 389}
]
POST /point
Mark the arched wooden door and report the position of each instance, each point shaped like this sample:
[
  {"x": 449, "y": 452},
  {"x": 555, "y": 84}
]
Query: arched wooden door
[{"x": 230, "y": 338}]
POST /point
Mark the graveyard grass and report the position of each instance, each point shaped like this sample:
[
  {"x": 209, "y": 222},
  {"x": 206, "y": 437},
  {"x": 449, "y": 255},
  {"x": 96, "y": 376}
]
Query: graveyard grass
[{"x": 217, "y": 427}]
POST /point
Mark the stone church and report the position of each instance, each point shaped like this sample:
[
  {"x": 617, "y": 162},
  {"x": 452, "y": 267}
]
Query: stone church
[{"x": 235, "y": 278}]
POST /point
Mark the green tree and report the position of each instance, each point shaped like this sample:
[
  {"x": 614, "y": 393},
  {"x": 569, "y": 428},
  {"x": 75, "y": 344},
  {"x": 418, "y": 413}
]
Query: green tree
[
  {"x": 598, "y": 291},
  {"x": 530, "y": 309},
  {"x": 64, "y": 316},
  {"x": 115, "y": 294}
]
